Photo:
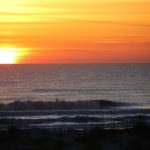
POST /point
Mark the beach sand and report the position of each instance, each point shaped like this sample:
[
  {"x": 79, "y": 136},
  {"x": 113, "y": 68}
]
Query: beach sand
[{"x": 137, "y": 138}]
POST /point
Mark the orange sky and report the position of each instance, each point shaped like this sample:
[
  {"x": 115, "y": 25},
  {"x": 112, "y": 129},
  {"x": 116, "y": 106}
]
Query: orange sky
[{"x": 76, "y": 31}]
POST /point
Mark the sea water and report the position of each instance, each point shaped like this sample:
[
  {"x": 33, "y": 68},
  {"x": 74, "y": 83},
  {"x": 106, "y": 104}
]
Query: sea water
[
  {"x": 116, "y": 82},
  {"x": 127, "y": 83}
]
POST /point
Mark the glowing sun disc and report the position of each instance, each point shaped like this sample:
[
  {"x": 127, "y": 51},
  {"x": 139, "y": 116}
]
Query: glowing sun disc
[{"x": 8, "y": 55}]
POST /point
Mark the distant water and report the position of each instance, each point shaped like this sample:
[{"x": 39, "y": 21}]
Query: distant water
[
  {"x": 121, "y": 82},
  {"x": 115, "y": 82},
  {"x": 123, "y": 88}
]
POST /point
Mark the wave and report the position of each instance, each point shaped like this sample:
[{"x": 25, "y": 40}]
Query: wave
[
  {"x": 60, "y": 105},
  {"x": 77, "y": 121},
  {"x": 72, "y": 114}
]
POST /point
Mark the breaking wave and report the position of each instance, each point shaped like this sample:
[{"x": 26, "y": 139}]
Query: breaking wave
[
  {"x": 60, "y": 105},
  {"x": 72, "y": 114}
]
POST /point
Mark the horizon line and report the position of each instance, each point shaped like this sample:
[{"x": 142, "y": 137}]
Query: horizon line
[{"x": 76, "y": 63}]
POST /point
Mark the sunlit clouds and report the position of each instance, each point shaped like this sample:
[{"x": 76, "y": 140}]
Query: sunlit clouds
[{"x": 77, "y": 31}]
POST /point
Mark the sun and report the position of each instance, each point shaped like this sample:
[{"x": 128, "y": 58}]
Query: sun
[{"x": 8, "y": 55}]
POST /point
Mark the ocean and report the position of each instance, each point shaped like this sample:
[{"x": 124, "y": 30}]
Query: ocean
[
  {"x": 77, "y": 94},
  {"x": 116, "y": 82}
]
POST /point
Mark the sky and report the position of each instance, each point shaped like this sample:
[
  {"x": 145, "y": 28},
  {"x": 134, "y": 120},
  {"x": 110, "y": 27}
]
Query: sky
[{"x": 74, "y": 31}]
